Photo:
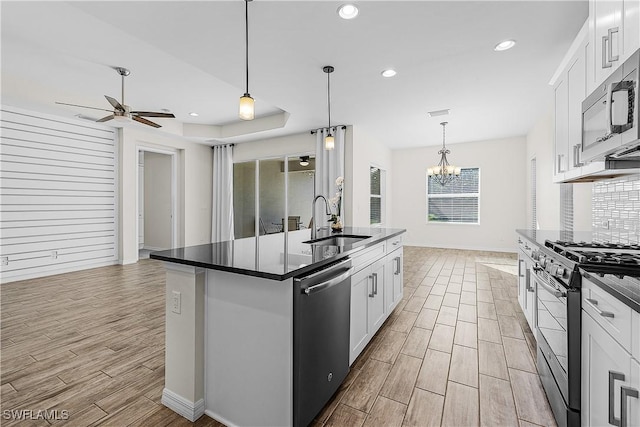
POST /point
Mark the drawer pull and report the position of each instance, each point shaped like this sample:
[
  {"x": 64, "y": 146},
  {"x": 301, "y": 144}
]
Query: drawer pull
[
  {"x": 624, "y": 393},
  {"x": 613, "y": 376},
  {"x": 594, "y": 304}
]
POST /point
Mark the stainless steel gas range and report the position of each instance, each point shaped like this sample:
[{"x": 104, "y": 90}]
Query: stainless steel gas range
[{"x": 557, "y": 273}]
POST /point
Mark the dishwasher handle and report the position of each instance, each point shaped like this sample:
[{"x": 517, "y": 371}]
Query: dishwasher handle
[{"x": 329, "y": 283}]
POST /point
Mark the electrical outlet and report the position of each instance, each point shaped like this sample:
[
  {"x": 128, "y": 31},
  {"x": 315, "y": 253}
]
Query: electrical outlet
[
  {"x": 5, "y": 260},
  {"x": 605, "y": 224},
  {"x": 175, "y": 302},
  {"x": 54, "y": 254}
]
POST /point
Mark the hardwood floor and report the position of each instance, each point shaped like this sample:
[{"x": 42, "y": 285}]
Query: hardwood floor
[{"x": 456, "y": 351}]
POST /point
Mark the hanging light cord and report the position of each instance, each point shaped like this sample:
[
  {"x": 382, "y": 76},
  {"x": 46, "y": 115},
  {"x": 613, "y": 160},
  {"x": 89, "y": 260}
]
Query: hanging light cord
[
  {"x": 246, "y": 39},
  {"x": 329, "y": 98}
]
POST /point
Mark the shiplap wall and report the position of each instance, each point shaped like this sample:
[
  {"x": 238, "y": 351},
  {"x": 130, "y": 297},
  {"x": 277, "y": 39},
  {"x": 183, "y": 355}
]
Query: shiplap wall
[{"x": 58, "y": 195}]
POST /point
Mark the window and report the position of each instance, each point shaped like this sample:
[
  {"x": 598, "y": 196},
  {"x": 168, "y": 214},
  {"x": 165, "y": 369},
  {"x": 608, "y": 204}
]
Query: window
[
  {"x": 457, "y": 201},
  {"x": 566, "y": 207},
  {"x": 376, "y": 199}
]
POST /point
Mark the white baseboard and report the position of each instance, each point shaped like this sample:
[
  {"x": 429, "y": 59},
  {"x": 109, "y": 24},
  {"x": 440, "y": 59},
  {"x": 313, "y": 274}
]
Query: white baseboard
[
  {"x": 220, "y": 419},
  {"x": 186, "y": 408}
]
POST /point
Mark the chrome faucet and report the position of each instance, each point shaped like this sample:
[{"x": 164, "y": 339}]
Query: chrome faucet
[{"x": 315, "y": 228}]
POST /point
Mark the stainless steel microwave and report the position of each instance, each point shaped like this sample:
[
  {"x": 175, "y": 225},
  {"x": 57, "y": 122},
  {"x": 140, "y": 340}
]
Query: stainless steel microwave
[{"x": 610, "y": 115}]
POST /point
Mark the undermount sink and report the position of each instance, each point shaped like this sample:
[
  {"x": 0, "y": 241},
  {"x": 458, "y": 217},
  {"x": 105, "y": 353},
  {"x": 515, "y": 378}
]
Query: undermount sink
[{"x": 342, "y": 240}]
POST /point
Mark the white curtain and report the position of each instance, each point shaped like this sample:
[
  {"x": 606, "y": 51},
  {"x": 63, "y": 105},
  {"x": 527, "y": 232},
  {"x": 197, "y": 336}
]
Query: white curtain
[
  {"x": 329, "y": 166},
  {"x": 222, "y": 209}
]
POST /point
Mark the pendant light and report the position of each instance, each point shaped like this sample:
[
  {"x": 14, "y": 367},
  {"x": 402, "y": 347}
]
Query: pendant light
[
  {"x": 329, "y": 140},
  {"x": 247, "y": 107},
  {"x": 443, "y": 172}
]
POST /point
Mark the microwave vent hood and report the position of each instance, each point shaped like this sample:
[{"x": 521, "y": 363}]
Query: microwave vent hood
[
  {"x": 607, "y": 169},
  {"x": 629, "y": 151}
]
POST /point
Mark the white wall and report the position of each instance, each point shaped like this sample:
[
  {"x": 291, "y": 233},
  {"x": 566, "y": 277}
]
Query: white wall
[
  {"x": 157, "y": 200},
  {"x": 502, "y": 195},
  {"x": 297, "y": 144},
  {"x": 361, "y": 152},
  {"x": 540, "y": 144},
  {"x": 194, "y": 188}
]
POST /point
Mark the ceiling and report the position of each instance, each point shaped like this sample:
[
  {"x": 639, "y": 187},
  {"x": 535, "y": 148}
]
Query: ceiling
[{"x": 189, "y": 57}]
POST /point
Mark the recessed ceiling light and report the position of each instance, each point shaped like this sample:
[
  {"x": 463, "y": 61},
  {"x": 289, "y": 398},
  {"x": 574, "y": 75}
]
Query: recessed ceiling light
[
  {"x": 192, "y": 114},
  {"x": 348, "y": 11},
  {"x": 389, "y": 73},
  {"x": 438, "y": 113},
  {"x": 504, "y": 45}
]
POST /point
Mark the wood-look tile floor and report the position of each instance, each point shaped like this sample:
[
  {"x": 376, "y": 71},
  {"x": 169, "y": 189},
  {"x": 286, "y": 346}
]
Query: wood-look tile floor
[{"x": 456, "y": 351}]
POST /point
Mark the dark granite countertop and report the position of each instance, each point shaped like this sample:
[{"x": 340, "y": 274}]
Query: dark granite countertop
[
  {"x": 625, "y": 289},
  {"x": 272, "y": 261}
]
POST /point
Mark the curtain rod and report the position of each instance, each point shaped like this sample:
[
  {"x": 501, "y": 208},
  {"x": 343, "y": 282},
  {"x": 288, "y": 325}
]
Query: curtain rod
[
  {"x": 314, "y": 131},
  {"x": 220, "y": 145}
]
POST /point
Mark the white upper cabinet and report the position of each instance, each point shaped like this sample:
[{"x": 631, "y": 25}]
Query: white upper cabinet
[
  {"x": 570, "y": 89},
  {"x": 614, "y": 28}
]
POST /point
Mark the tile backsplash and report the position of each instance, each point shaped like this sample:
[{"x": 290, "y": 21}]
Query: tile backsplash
[{"x": 616, "y": 210}]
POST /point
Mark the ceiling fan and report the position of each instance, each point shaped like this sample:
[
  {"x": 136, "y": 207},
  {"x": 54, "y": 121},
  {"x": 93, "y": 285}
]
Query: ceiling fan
[{"x": 123, "y": 112}]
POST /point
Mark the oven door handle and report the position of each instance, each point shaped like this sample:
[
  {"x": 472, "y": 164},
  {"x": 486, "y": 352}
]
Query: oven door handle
[{"x": 556, "y": 293}]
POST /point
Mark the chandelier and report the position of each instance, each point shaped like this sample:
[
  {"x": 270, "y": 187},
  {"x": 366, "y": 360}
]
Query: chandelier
[{"x": 443, "y": 172}]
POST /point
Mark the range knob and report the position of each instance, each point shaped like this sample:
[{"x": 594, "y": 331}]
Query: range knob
[
  {"x": 542, "y": 260},
  {"x": 560, "y": 271}
]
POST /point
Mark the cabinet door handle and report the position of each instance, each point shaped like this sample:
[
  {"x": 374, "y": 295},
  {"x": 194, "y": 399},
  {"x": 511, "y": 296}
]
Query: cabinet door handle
[
  {"x": 397, "y": 272},
  {"x": 613, "y": 376},
  {"x": 375, "y": 283},
  {"x": 610, "y": 57},
  {"x": 560, "y": 169},
  {"x": 576, "y": 156},
  {"x": 372, "y": 294},
  {"x": 624, "y": 393},
  {"x": 594, "y": 304},
  {"x": 605, "y": 42}
]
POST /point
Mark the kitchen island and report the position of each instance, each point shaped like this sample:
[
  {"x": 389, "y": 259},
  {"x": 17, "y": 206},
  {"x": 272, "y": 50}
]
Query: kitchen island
[{"x": 230, "y": 317}]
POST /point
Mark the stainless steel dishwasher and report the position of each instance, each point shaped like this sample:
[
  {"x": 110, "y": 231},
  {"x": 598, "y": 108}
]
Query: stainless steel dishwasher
[{"x": 321, "y": 305}]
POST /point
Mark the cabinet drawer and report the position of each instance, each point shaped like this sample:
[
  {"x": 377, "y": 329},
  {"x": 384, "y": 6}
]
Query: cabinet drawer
[
  {"x": 394, "y": 243},
  {"x": 367, "y": 256},
  {"x": 609, "y": 312}
]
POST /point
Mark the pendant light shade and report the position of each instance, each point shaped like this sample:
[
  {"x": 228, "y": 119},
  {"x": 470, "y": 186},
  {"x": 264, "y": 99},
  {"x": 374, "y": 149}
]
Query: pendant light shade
[
  {"x": 247, "y": 104},
  {"x": 247, "y": 107},
  {"x": 329, "y": 140}
]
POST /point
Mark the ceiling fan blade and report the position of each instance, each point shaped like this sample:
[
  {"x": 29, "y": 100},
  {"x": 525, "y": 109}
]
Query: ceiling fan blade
[
  {"x": 154, "y": 114},
  {"x": 145, "y": 121},
  {"x": 105, "y": 119},
  {"x": 115, "y": 103},
  {"x": 82, "y": 106}
]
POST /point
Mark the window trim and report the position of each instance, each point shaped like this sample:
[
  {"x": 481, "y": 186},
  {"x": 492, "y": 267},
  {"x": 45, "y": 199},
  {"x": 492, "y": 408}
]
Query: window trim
[
  {"x": 382, "y": 196},
  {"x": 453, "y": 195}
]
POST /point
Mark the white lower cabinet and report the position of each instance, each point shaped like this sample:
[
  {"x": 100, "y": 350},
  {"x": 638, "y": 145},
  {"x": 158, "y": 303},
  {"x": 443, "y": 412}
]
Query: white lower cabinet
[
  {"x": 610, "y": 379},
  {"x": 527, "y": 290},
  {"x": 375, "y": 291}
]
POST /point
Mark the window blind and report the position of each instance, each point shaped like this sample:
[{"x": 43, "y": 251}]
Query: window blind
[
  {"x": 566, "y": 207},
  {"x": 376, "y": 176},
  {"x": 457, "y": 201}
]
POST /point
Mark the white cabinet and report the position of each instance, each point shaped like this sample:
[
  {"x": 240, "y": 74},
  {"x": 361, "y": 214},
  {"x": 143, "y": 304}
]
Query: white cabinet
[
  {"x": 367, "y": 306},
  {"x": 614, "y": 28},
  {"x": 610, "y": 375},
  {"x": 393, "y": 280},
  {"x": 376, "y": 289},
  {"x": 526, "y": 286},
  {"x": 570, "y": 89}
]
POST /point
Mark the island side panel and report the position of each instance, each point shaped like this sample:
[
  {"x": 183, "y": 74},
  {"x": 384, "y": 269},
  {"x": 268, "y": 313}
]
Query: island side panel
[
  {"x": 248, "y": 350},
  {"x": 184, "y": 357}
]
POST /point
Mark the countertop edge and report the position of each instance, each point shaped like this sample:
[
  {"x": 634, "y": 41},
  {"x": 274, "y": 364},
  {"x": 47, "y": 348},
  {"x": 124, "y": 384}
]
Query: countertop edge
[{"x": 281, "y": 277}]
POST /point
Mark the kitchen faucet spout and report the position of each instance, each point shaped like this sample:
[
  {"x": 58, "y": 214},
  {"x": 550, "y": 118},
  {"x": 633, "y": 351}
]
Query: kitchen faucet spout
[{"x": 315, "y": 228}]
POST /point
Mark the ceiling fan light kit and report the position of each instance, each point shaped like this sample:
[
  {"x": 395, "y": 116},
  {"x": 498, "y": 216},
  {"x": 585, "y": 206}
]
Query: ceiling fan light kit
[{"x": 121, "y": 112}]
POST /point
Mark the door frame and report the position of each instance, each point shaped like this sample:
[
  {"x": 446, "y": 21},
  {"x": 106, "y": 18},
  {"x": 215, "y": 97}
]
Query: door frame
[{"x": 141, "y": 148}]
